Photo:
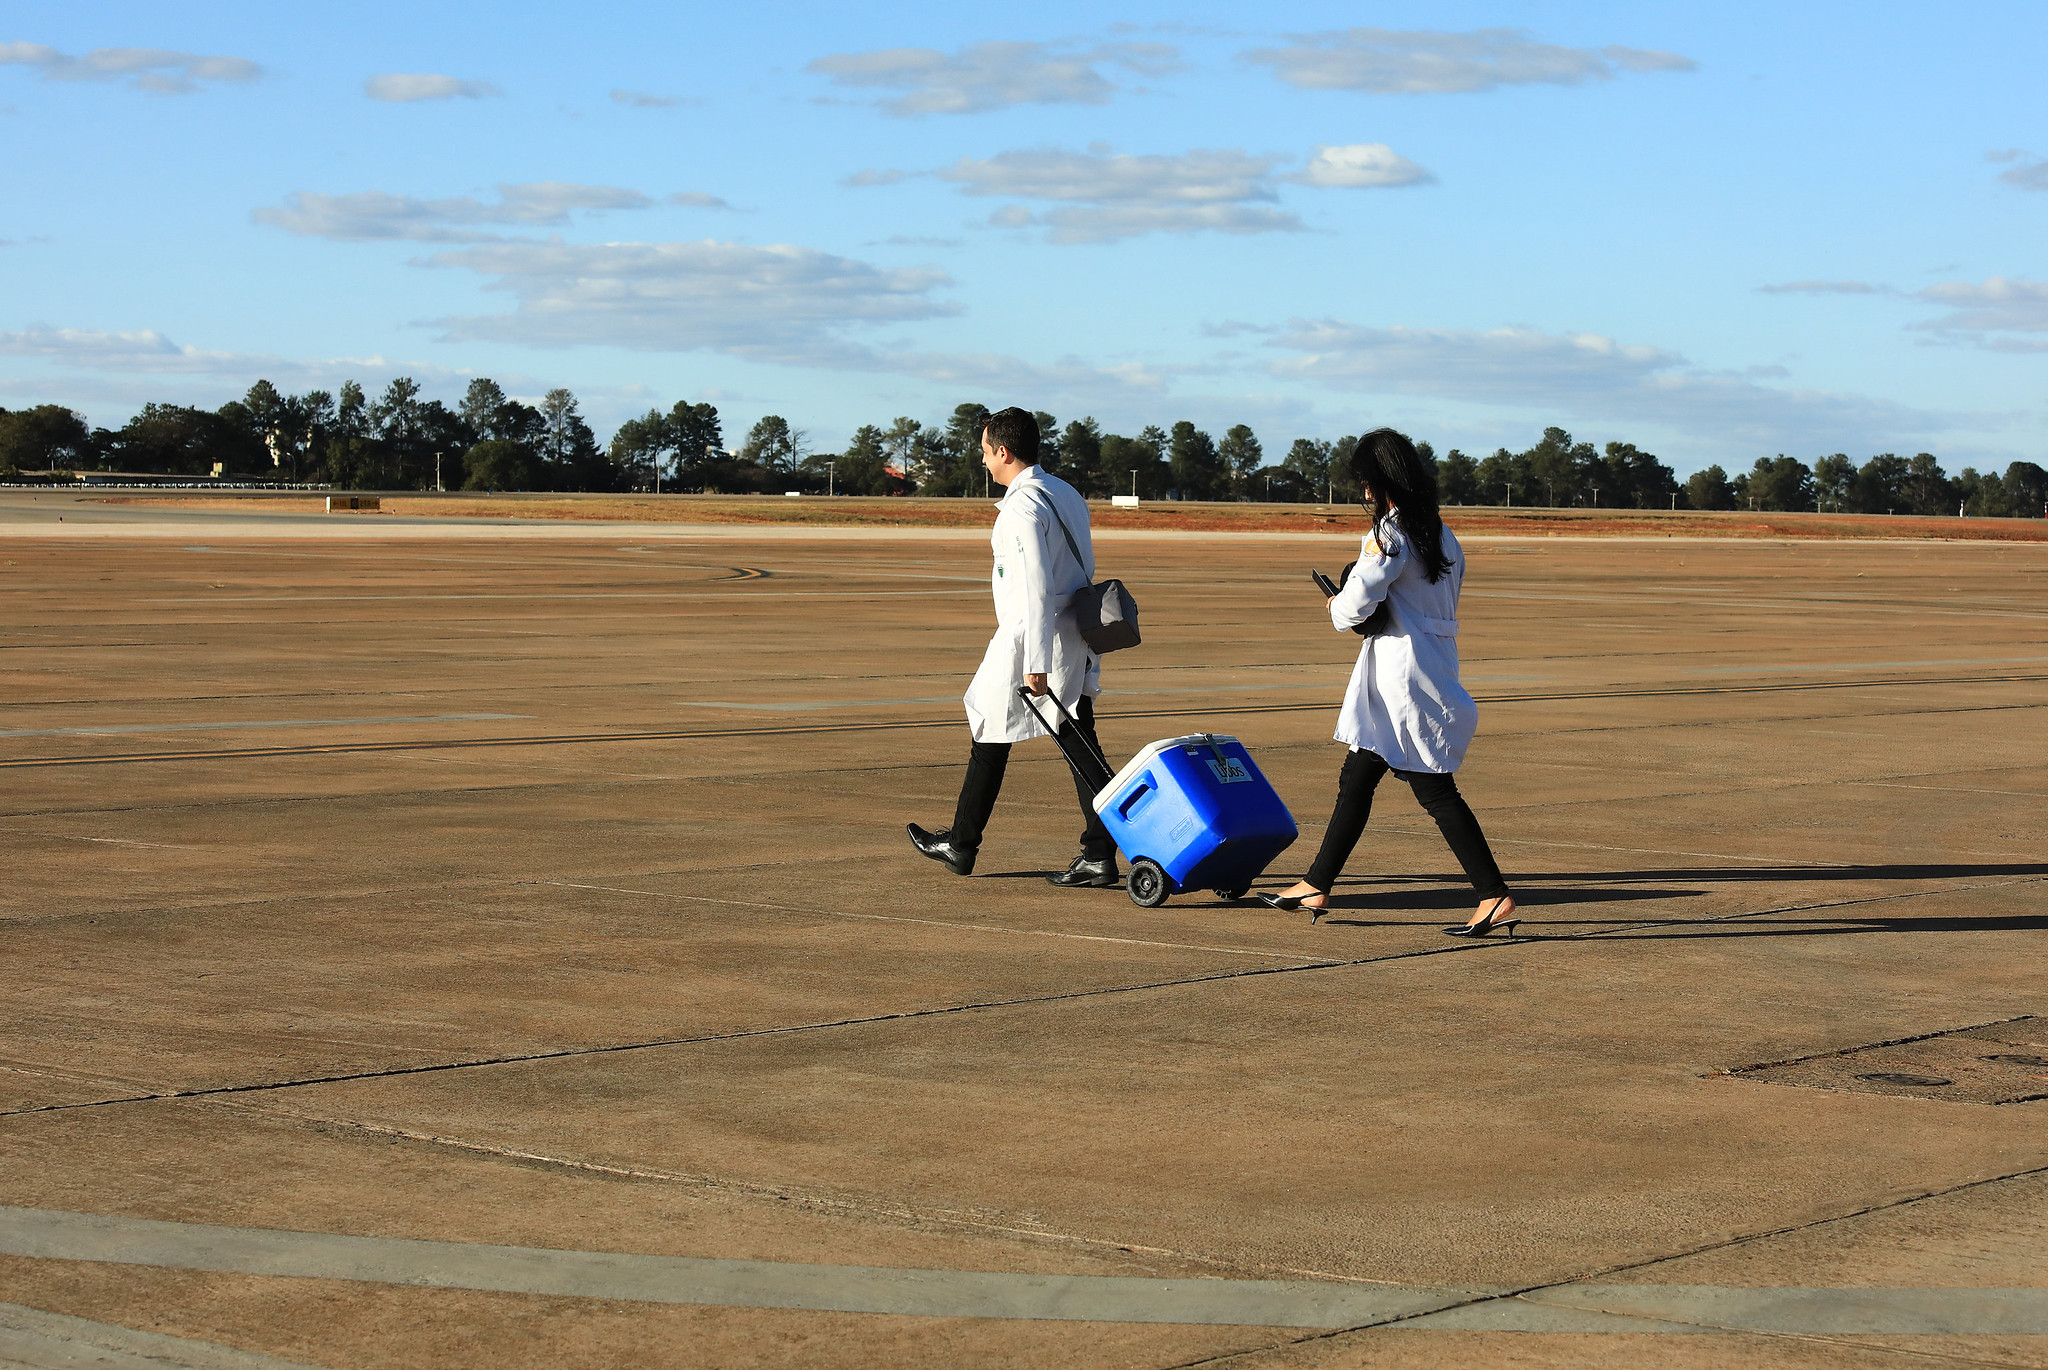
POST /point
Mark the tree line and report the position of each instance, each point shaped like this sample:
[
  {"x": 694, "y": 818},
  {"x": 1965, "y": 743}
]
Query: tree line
[
  {"x": 1884, "y": 484},
  {"x": 491, "y": 441},
  {"x": 396, "y": 441}
]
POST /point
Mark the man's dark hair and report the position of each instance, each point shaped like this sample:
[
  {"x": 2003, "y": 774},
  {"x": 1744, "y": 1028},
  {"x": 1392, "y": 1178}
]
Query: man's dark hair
[{"x": 1015, "y": 429}]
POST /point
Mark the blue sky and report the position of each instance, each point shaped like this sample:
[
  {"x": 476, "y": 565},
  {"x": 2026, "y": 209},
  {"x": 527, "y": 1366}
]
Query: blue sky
[{"x": 1717, "y": 231}]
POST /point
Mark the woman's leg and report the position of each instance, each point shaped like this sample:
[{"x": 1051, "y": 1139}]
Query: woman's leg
[
  {"x": 1439, "y": 795},
  {"x": 1355, "y": 784}
]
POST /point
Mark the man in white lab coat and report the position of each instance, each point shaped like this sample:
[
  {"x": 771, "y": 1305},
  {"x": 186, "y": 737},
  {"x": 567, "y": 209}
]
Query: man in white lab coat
[{"x": 1043, "y": 554}]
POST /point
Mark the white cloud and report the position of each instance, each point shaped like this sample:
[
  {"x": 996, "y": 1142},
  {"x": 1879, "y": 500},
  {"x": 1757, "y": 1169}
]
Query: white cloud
[
  {"x": 1985, "y": 309},
  {"x": 1504, "y": 365},
  {"x": 111, "y": 375},
  {"x": 1422, "y": 61},
  {"x": 375, "y": 215},
  {"x": 875, "y": 176},
  {"x": 145, "y": 350},
  {"x": 1826, "y": 288},
  {"x": 1107, "y": 196},
  {"x": 697, "y": 199},
  {"x": 636, "y": 99},
  {"x": 1980, "y": 313},
  {"x": 149, "y": 352},
  {"x": 1586, "y": 375},
  {"x": 1114, "y": 196},
  {"x": 1067, "y": 383},
  {"x": 986, "y": 76},
  {"x": 152, "y": 69},
  {"x": 779, "y": 302},
  {"x": 2032, "y": 176},
  {"x": 1199, "y": 177},
  {"x": 1647, "y": 59},
  {"x": 1109, "y": 223},
  {"x": 402, "y": 88},
  {"x": 1360, "y": 166}
]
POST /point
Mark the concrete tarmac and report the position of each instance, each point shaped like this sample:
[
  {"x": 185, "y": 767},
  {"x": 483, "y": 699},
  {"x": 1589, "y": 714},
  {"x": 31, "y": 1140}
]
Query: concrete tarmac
[{"x": 503, "y": 950}]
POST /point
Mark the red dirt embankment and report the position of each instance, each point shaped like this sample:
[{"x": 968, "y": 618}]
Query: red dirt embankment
[{"x": 1160, "y": 516}]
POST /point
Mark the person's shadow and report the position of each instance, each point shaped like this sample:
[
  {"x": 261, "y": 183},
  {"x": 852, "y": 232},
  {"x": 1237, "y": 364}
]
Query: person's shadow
[{"x": 1558, "y": 890}]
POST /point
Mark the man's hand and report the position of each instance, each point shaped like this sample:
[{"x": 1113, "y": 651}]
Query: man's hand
[{"x": 1036, "y": 684}]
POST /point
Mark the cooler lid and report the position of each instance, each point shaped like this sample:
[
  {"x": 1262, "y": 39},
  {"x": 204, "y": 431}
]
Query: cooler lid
[{"x": 1194, "y": 742}]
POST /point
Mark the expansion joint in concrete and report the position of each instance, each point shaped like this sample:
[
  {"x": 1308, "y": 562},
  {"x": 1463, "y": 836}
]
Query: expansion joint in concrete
[
  {"x": 1507, "y": 1298},
  {"x": 860, "y": 1209},
  {"x": 476, "y": 1063},
  {"x": 1303, "y": 964}
]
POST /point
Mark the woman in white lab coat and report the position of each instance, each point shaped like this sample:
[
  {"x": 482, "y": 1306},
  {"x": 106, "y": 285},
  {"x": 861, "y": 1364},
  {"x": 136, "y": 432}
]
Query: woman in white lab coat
[{"x": 1405, "y": 710}]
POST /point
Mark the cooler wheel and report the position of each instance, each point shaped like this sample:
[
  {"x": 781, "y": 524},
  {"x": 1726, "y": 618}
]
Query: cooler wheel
[
  {"x": 1233, "y": 894},
  {"x": 1147, "y": 883}
]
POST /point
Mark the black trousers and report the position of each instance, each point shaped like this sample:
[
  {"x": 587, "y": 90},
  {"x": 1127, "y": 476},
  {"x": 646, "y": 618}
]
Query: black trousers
[
  {"x": 985, "y": 766},
  {"x": 1438, "y": 795}
]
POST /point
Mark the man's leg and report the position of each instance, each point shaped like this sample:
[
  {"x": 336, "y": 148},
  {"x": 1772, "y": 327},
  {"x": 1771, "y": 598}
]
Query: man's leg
[
  {"x": 1095, "y": 868},
  {"x": 986, "y": 763},
  {"x": 1095, "y": 840},
  {"x": 957, "y": 846}
]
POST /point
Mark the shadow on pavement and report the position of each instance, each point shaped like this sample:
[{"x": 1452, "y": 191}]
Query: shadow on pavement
[
  {"x": 1821, "y": 927},
  {"x": 1558, "y": 889},
  {"x": 1746, "y": 875}
]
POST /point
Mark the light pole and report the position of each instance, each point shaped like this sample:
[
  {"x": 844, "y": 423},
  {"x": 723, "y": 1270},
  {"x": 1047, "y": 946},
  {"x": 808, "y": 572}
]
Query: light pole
[
  {"x": 1134, "y": 482},
  {"x": 439, "y": 489},
  {"x": 831, "y": 476}
]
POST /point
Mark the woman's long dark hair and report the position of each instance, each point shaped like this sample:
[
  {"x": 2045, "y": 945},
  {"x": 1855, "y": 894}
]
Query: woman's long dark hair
[{"x": 1389, "y": 468}]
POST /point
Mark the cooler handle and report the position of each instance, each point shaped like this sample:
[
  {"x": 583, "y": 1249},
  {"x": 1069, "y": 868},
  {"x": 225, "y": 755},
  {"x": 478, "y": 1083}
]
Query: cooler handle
[{"x": 1092, "y": 753}]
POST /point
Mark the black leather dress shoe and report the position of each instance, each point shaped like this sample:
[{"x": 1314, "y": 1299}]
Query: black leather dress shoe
[
  {"x": 939, "y": 847},
  {"x": 1086, "y": 874}
]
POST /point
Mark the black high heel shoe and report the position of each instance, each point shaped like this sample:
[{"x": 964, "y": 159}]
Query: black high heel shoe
[
  {"x": 1490, "y": 923},
  {"x": 1288, "y": 903}
]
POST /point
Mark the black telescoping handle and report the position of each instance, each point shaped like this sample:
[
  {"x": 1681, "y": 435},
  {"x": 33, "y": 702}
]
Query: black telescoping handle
[{"x": 1091, "y": 753}]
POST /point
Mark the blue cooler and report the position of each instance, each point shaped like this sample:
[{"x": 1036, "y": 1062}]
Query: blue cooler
[{"x": 1194, "y": 813}]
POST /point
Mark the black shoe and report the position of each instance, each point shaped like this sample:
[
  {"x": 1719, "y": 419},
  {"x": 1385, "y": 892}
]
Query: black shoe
[
  {"x": 1087, "y": 874},
  {"x": 1495, "y": 918},
  {"x": 1288, "y": 903},
  {"x": 939, "y": 847}
]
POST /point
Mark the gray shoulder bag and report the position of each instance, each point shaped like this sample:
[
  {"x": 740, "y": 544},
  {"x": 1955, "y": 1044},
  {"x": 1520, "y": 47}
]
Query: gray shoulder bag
[{"x": 1105, "y": 611}]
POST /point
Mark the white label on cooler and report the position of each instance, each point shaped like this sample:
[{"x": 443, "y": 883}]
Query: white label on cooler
[{"x": 1229, "y": 772}]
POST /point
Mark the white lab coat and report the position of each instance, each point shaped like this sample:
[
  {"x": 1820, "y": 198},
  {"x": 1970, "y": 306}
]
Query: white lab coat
[
  {"x": 1034, "y": 581},
  {"x": 1404, "y": 701}
]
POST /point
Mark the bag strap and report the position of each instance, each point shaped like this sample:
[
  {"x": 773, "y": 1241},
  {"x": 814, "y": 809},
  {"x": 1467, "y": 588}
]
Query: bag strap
[{"x": 1072, "y": 545}]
